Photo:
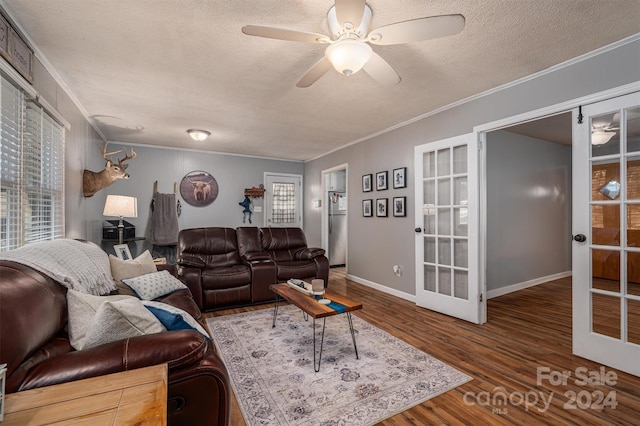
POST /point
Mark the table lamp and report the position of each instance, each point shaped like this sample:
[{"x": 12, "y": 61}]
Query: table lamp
[{"x": 121, "y": 206}]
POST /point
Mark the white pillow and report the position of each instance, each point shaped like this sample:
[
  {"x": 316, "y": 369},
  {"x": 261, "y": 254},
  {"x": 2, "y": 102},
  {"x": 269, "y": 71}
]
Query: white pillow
[
  {"x": 83, "y": 320},
  {"x": 154, "y": 285},
  {"x": 122, "y": 269},
  {"x": 173, "y": 318},
  {"x": 120, "y": 320}
]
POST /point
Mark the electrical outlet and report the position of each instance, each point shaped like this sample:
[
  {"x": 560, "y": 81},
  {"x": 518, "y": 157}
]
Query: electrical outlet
[{"x": 397, "y": 269}]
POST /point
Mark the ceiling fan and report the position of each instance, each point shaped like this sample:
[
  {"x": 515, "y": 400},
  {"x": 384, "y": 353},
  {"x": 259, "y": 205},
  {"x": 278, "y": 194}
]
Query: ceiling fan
[
  {"x": 603, "y": 131},
  {"x": 349, "y": 49}
]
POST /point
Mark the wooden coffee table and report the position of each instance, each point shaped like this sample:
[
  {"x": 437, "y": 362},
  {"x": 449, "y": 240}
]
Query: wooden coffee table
[{"x": 311, "y": 307}]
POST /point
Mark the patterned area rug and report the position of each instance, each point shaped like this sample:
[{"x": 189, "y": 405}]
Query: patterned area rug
[{"x": 273, "y": 377}]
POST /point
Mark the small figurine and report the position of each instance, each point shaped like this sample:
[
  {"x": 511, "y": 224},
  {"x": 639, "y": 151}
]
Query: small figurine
[{"x": 246, "y": 213}]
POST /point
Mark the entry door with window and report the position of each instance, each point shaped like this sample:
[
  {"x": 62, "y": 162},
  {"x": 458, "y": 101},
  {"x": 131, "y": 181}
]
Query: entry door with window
[
  {"x": 283, "y": 200},
  {"x": 606, "y": 226},
  {"x": 447, "y": 211}
]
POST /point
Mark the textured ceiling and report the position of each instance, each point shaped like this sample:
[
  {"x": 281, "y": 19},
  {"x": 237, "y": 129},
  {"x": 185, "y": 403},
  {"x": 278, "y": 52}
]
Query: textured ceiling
[{"x": 146, "y": 70}]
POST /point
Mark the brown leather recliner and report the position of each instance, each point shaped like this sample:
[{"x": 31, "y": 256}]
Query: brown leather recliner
[
  {"x": 210, "y": 264},
  {"x": 287, "y": 247},
  {"x": 36, "y": 348}
]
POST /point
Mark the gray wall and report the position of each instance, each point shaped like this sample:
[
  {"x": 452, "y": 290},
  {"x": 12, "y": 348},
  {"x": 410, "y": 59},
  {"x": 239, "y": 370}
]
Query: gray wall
[
  {"x": 375, "y": 245},
  {"x": 232, "y": 173},
  {"x": 83, "y": 150},
  {"x": 528, "y": 209}
]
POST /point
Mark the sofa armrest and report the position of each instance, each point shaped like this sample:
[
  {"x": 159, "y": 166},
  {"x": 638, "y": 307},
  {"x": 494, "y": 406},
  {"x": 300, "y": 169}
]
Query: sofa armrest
[
  {"x": 201, "y": 393},
  {"x": 192, "y": 278},
  {"x": 191, "y": 262},
  {"x": 256, "y": 256},
  {"x": 178, "y": 349},
  {"x": 309, "y": 253}
]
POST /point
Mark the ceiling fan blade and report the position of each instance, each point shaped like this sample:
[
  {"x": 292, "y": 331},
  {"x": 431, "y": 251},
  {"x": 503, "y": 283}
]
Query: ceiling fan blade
[
  {"x": 381, "y": 71},
  {"x": 284, "y": 34},
  {"x": 315, "y": 72},
  {"x": 417, "y": 30},
  {"x": 350, "y": 11}
]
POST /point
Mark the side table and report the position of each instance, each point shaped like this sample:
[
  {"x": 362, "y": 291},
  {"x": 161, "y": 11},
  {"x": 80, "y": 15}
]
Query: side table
[{"x": 132, "y": 397}]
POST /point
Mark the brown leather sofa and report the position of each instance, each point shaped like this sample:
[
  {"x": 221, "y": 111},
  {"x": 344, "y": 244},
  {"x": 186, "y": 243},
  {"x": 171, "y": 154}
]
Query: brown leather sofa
[
  {"x": 36, "y": 348},
  {"x": 287, "y": 247},
  {"x": 226, "y": 267}
]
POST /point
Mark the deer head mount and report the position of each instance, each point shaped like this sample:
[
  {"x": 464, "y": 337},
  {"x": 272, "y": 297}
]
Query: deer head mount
[{"x": 93, "y": 182}]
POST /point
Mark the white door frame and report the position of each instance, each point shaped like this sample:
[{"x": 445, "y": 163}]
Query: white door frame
[
  {"x": 536, "y": 114},
  {"x": 300, "y": 204},
  {"x": 324, "y": 203}
]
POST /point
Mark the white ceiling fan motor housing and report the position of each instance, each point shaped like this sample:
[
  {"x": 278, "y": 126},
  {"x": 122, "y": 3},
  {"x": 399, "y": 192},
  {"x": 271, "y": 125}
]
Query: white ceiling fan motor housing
[{"x": 339, "y": 30}]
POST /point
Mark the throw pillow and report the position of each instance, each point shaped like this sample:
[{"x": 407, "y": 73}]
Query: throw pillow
[
  {"x": 173, "y": 318},
  {"x": 122, "y": 319},
  {"x": 82, "y": 312},
  {"x": 154, "y": 285},
  {"x": 123, "y": 269}
]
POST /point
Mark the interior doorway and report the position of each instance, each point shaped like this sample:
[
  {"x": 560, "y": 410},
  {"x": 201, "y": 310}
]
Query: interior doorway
[
  {"x": 335, "y": 215},
  {"x": 528, "y": 204}
]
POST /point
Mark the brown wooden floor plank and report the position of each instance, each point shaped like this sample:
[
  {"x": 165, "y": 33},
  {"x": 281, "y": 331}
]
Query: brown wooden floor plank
[{"x": 527, "y": 329}]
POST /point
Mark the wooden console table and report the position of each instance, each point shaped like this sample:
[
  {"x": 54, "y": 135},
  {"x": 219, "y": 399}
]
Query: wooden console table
[{"x": 136, "y": 397}]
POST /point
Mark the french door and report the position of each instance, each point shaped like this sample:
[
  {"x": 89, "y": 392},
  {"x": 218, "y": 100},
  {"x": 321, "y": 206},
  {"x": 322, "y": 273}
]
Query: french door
[
  {"x": 606, "y": 227},
  {"x": 447, "y": 216},
  {"x": 283, "y": 200}
]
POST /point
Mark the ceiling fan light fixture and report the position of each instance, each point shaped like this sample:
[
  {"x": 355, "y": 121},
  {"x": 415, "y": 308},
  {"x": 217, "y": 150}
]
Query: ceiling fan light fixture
[
  {"x": 600, "y": 136},
  {"x": 198, "y": 135},
  {"x": 348, "y": 56}
]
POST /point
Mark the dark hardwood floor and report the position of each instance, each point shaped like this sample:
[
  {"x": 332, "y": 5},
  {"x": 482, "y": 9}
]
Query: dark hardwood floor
[{"x": 526, "y": 331}]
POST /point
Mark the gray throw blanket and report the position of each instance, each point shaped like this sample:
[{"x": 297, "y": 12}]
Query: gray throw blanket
[
  {"x": 164, "y": 220},
  {"x": 77, "y": 265}
]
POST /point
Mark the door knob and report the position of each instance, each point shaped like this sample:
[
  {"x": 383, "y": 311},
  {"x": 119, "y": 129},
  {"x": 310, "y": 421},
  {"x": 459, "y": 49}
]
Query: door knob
[
  {"x": 580, "y": 238},
  {"x": 418, "y": 230}
]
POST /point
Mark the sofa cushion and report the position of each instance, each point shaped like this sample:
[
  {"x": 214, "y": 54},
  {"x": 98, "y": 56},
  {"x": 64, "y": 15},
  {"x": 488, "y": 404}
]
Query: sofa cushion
[
  {"x": 173, "y": 318},
  {"x": 123, "y": 269},
  {"x": 83, "y": 314},
  {"x": 226, "y": 277},
  {"x": 275, "y": 239},
  {"x": 154, "y": 285},
  {"x": 121, "y": 319},
  {"x": 296, "y": 269}
]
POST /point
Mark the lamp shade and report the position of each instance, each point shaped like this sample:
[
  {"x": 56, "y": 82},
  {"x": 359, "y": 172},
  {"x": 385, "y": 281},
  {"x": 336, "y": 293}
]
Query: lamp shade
[
  {"x": 198, "y": 135},
  {"x": 121, "y": 206},
  {"x": 600, "y": 136},
  {"x": 348, "y": 56}
]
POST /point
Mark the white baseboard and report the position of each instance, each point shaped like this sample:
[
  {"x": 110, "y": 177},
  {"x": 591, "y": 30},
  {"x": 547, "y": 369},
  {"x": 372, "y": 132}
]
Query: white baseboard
[
  {"x": 519, "y": 286},
  {"x": 401, "y": 294}
]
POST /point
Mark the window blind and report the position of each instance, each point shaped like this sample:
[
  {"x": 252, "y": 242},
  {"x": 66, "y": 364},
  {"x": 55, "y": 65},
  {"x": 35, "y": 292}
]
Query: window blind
[{"x": 31, "y": 171}]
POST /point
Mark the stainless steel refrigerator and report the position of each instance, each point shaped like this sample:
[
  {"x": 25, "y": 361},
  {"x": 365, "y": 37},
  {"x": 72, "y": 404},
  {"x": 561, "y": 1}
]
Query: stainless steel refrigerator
[{"x": 337, "y": 228}]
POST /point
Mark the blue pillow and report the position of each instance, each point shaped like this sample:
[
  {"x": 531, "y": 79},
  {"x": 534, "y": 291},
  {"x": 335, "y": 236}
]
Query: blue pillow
[{"x": 174, "y": 318}]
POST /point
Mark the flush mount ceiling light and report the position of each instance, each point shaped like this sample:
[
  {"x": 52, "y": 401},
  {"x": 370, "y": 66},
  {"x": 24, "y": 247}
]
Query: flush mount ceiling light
[
  {"x": 198, "y": 135},
  {"x": 600, "y": 136}
]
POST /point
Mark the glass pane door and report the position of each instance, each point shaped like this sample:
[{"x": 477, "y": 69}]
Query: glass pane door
[
  {"x": 606, "y": 266},
  {"x": 445, "y": 232}
]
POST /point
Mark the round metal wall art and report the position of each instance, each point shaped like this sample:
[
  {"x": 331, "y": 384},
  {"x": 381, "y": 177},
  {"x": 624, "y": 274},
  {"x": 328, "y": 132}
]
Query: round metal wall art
[{"x": 198, "y": 188}]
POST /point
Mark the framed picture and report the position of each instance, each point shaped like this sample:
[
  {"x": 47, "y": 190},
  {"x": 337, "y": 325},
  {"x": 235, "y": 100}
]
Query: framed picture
[
  {"x": 399, "y": 178},
  {"x": 366, "y": 183},
  {"x": 382, "y": 181},
  {"x": 198, "y": 188},
  {"x": 381, "y": 207},
  {"x": 122, "y": 251},
  {"x": 367, "y": 208},
  {"x": 399, "y": 206}
]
